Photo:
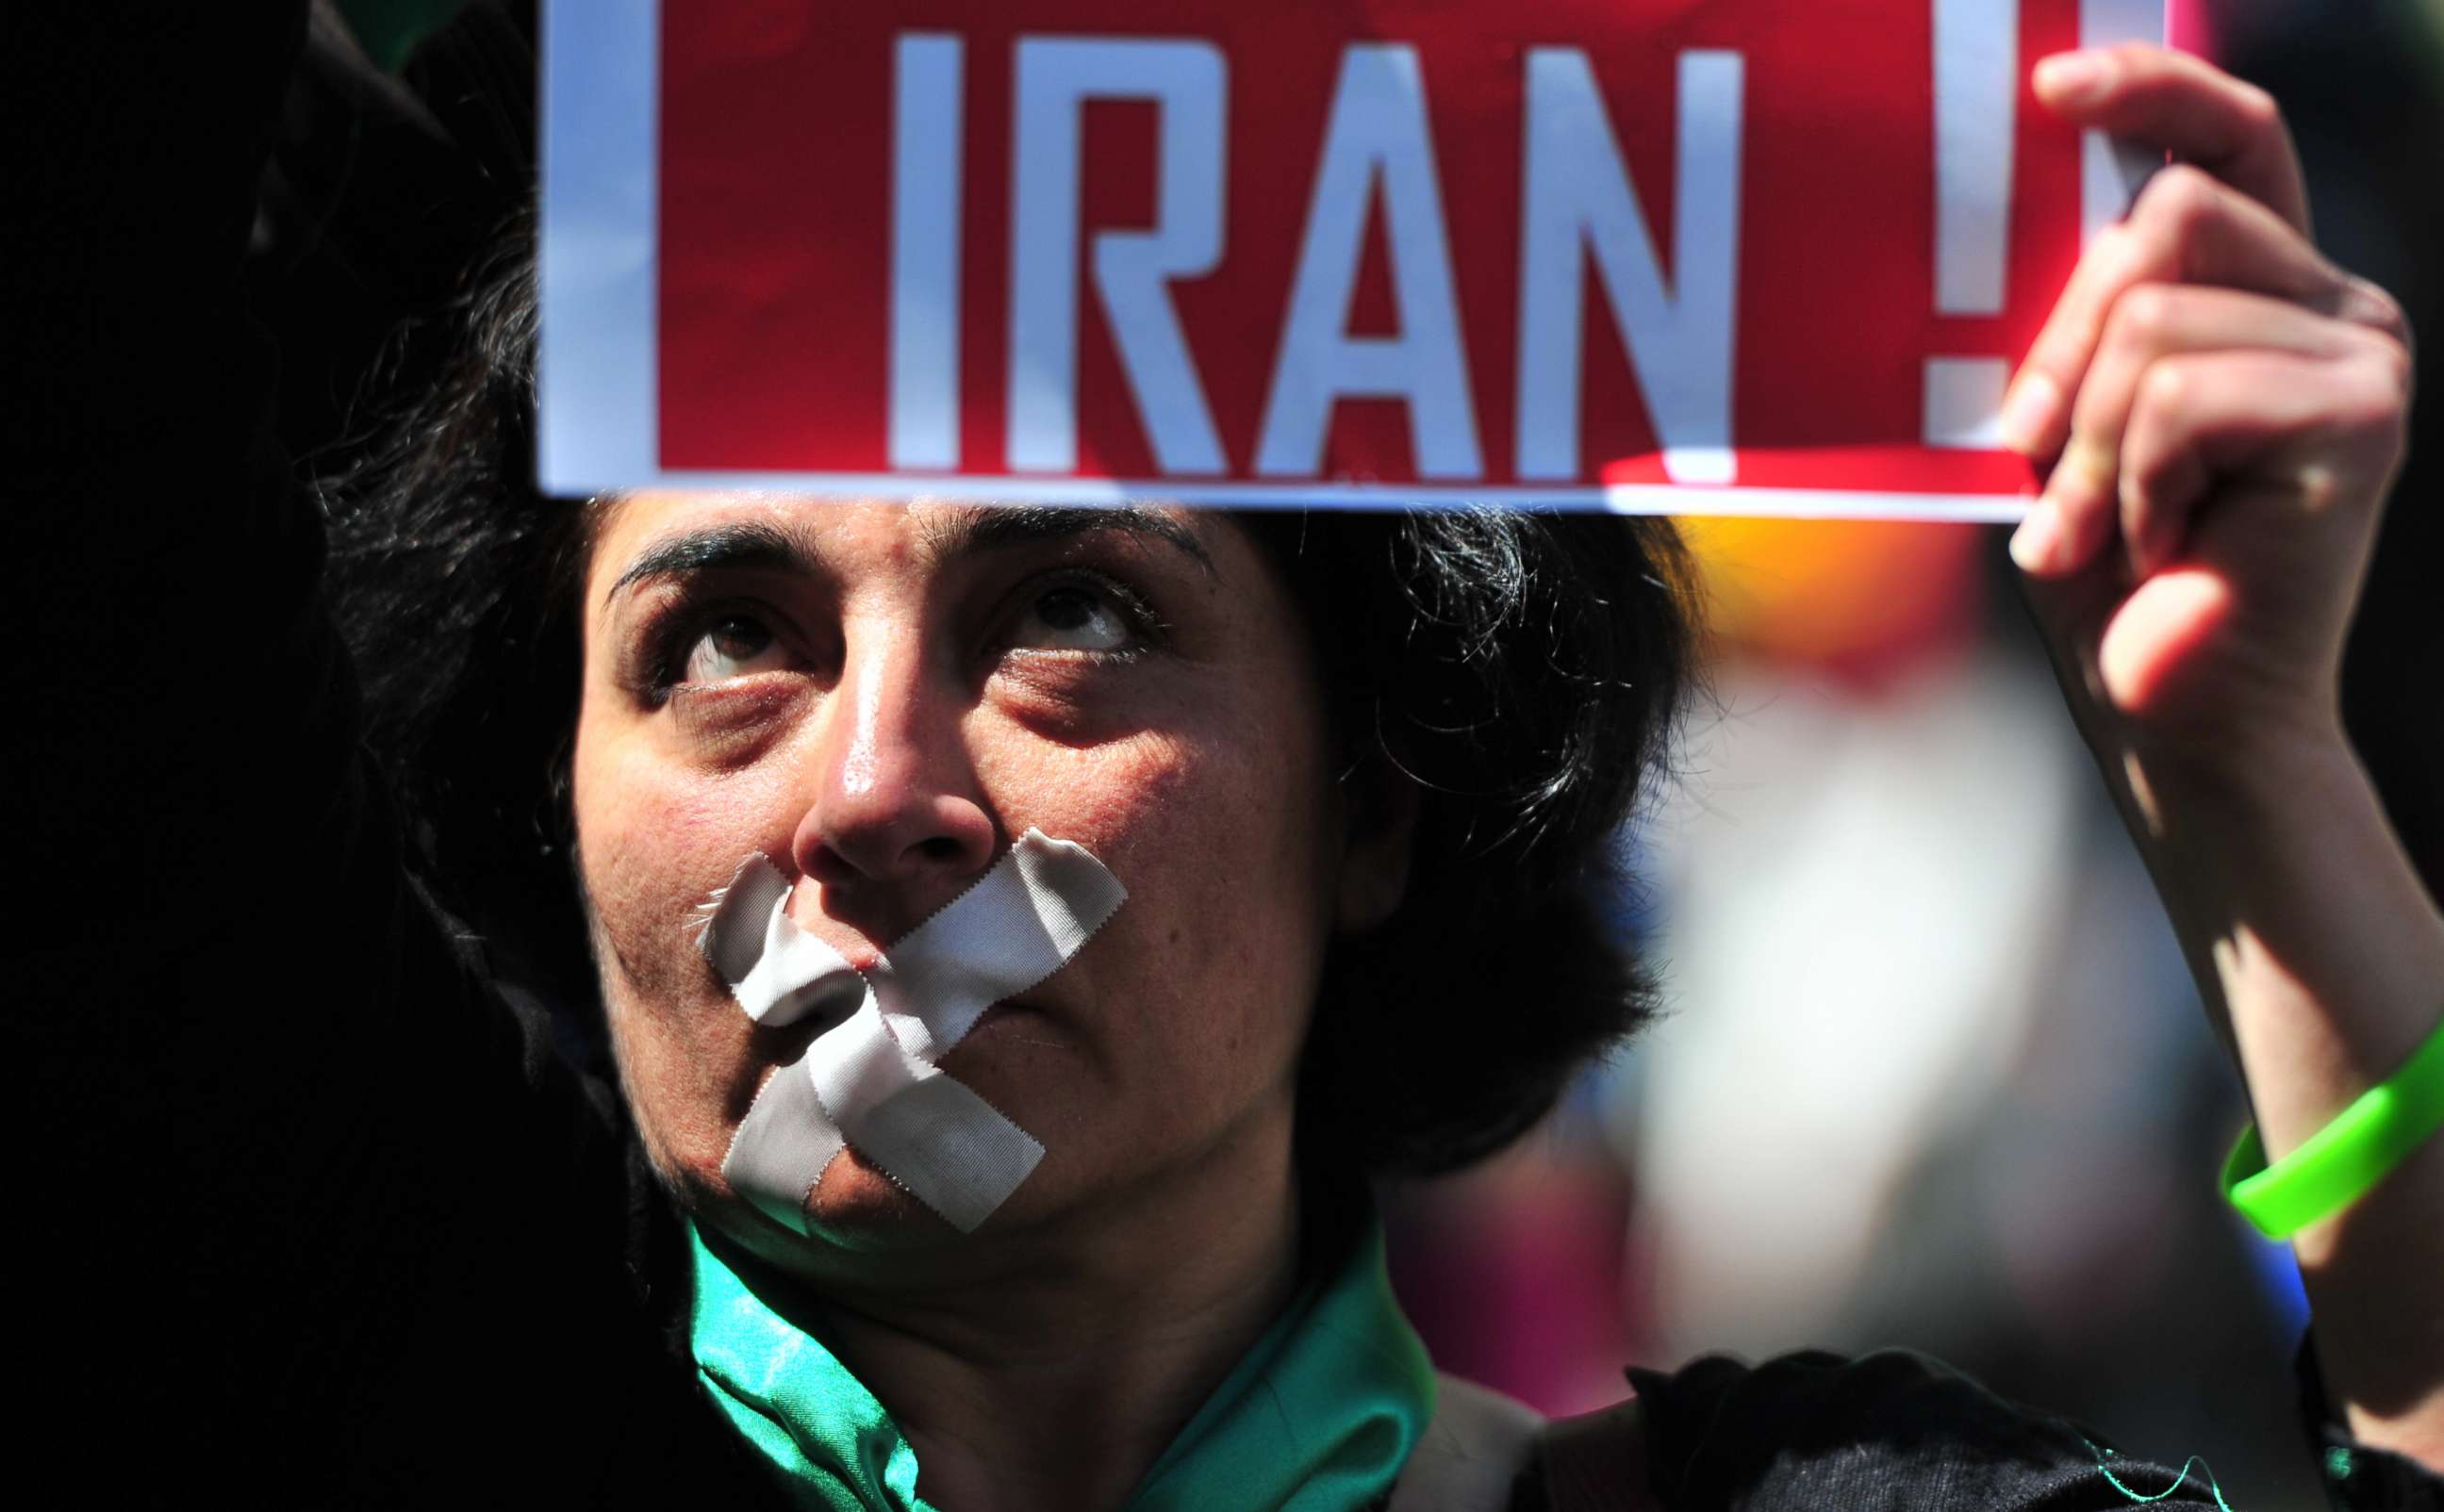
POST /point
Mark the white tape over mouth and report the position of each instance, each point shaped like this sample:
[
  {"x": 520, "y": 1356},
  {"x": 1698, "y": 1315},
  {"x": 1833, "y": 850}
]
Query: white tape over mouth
[{"x": 870, "y": 1080}]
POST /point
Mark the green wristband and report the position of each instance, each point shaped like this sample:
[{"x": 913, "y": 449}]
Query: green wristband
[{"x": 2336, "y": 1166}]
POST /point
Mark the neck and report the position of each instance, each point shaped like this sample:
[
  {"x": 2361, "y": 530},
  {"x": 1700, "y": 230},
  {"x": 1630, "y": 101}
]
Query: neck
[{"x": 1060, "y": 1381}]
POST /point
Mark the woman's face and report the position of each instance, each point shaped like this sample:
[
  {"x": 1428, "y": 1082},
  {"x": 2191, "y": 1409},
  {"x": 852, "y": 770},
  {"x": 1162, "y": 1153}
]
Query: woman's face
[{"x": 880, "y": 698}]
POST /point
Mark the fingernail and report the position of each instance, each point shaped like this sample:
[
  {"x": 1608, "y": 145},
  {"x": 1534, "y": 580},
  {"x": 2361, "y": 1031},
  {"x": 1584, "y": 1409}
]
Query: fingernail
[
  {"x": 2028, "y": 409},
  {"x": 2071, "y": 78},
  {"x": 2038, "y": 541}
]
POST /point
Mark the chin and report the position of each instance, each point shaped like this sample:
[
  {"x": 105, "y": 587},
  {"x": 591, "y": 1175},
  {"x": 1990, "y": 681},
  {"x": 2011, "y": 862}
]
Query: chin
[{"x": 855, "y": 1206}]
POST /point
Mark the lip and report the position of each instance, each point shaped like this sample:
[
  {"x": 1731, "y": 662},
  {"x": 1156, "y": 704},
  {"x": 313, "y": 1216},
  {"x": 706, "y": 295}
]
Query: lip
[
  {"x": 786, "y": 1042},
  {"x": 789, "y": 1042}
]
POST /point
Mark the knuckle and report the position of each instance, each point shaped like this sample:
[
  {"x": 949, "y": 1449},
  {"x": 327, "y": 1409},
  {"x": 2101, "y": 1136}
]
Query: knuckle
[
  {"x": 2365, "y": 425},
  {"x": 2371, "y": 304},
  {"x": 2163, "y": 388},
  {"x": 2195, "y": 191},
  {"x": 2256, "y": 108},
  {"x": 2175, "y": 208},
  {"x": 2144, "y": 316},
  {"x": 2377, "y": 401},
  {"x": 2136, "y": 56}
]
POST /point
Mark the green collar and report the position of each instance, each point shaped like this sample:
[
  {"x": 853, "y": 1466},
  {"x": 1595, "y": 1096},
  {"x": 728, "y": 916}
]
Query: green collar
[{"x": 1317, "y": 1417}]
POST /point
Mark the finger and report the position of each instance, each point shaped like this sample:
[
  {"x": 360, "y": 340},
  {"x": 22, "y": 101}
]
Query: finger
[
  {"x": 2320, "y": 431},
  {"x": 2189, "y": 107},
  {"x": 2150, "y": 321},
  {"x": 2186, "y": 229}
]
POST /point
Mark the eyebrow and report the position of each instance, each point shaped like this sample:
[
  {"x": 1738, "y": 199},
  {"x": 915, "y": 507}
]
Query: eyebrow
[
  {"x": 752, "y": 544},
  {"x": 997, "y": 528},
  {"x": 748, "y": 543}
]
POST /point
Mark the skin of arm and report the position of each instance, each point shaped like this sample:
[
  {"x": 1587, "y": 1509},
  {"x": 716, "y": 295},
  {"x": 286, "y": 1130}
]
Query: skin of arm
[{"x": 2218, "y": 414}]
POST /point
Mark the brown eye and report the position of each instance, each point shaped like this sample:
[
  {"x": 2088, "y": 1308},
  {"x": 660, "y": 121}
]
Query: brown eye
[
  {"x": 732, "y": 646},
  {"x": 1073, "y": 616}
]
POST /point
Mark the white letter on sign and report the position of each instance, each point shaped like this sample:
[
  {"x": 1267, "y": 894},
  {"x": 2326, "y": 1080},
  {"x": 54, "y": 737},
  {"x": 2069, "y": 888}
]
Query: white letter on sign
[
  {"x": 1378, "y": 126},
  {"x": 925, "y": 251},
  {"x": 1056, "y": 76},
  {"x": 1577, "y": 194}
]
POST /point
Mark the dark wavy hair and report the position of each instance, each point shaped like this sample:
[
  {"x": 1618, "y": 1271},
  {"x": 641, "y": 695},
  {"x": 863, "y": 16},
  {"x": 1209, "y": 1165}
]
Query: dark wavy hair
[{"x": 1521, "y": 672}]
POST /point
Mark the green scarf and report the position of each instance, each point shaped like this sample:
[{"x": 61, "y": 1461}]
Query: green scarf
[{"x": 1317, "y": 1417}]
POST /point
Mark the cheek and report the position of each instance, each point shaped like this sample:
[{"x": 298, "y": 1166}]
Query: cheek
[
  {"x": 1220, "y": 840},
  {"x": 1200, "y": 988},
  {"x": 653, "y": 841}
]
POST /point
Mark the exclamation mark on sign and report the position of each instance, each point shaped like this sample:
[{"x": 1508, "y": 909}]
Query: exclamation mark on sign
[{"x": 1977, "y": 94}]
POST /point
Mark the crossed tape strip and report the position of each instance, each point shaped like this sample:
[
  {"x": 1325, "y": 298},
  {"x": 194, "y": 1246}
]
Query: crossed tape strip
[{"x": 870, "y": 1080}]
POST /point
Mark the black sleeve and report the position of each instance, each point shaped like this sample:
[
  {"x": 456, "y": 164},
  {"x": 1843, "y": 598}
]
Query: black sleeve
[
  {"x": 1894, "y": 1429},
  {"x": 1902, "y": 1431},
  {"x": 2356, "y": 1477},
  {"x": 304, "y": 1209}
]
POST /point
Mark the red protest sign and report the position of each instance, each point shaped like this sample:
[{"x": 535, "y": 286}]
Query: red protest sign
[{"x": 1565, "y": 251}]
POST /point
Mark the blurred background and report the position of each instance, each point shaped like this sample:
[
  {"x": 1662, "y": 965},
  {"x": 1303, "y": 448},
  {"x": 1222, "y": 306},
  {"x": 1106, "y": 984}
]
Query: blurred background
[{"x": 1934, "y": 1074}]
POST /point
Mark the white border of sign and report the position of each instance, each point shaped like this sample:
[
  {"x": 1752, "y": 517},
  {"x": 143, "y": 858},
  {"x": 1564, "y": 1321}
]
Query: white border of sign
[{"x": 598, "y": 383}]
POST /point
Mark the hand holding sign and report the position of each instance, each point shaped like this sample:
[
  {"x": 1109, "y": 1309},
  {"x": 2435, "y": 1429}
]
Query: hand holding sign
[{"x": 2223, "y": 410}]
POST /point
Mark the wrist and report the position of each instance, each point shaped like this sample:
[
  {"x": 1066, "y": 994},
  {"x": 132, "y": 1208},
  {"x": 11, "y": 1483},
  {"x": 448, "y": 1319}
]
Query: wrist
[
  {"x": 2319, "y": 952},
  {"x": 2221, "y": 785},
  {"x": 2222, "y": 821}
]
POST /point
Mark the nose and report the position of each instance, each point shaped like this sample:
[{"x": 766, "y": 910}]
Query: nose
[{"x": 895, "y": 807}]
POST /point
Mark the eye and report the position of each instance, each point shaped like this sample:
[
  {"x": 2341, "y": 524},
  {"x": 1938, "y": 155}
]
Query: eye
[
  {"x": 1076, "y": 616},
  {"x": 731, "y": 645}
]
